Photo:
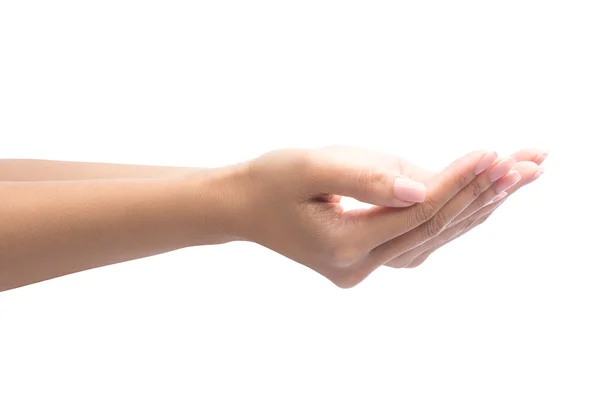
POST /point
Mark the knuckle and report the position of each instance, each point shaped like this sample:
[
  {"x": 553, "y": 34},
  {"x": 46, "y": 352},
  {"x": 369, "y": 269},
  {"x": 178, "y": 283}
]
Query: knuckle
[
  {"x": 424, "y": 211},
  {"x": 303, "y": 163},
  {"x": 307, "y": 161},
  {"x": 475, "y": 190},
  {"x": 463, "y": 181},
  {"x": 363, "y": 179},
  {"x": 435, "y": 225},
  {"x": 448, "y": 233},
  {"x": 369, "y": 178},
  {"x": 482, "y": 201}
]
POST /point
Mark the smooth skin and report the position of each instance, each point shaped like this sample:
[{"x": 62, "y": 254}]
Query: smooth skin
[{"x": 58, "y": 217}]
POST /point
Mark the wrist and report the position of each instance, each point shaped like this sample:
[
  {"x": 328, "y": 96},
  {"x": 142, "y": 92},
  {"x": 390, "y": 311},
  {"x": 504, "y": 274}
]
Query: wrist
[{"x": 217, "y": 203}]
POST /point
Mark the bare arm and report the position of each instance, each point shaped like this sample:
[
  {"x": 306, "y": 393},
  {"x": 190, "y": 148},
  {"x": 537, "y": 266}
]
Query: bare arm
[
  {"x": 50, "y": 170},
  {"x": 49, "y": 229}
]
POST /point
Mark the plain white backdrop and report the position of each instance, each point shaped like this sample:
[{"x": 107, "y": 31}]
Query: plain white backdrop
[{"x": 510, "y": 310}]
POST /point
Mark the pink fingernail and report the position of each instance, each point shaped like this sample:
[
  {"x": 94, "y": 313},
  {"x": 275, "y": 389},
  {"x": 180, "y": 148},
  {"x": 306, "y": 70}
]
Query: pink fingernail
[
  {"x": 538, "y": 174},
  {"x": 541, "y": 158},
  {"x": 485, "y": 162},
  {"x": 500, "y": 196},
  {"x": 509, "y": 181},
  {"x": 409, "y": 190},
  {"x": 501, "y": 169}
]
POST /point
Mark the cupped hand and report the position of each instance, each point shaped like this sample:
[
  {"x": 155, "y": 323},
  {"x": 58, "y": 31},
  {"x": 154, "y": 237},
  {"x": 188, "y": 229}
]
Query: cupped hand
[{"x": 291, "y": 205}]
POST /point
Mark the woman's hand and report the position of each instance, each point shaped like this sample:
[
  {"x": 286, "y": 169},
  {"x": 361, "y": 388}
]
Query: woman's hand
[{"x": 290, "y": 204}]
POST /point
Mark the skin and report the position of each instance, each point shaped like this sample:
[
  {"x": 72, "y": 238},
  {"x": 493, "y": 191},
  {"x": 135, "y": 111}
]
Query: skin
[
  {"x": 60, "y": 217},
  {"x": 527, "y": 165}
]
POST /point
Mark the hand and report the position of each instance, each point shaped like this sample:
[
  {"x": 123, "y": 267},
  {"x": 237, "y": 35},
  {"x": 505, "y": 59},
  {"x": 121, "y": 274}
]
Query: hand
[
  {"x": 527, "y": 166},
  {"x": 291, "y": 205}
]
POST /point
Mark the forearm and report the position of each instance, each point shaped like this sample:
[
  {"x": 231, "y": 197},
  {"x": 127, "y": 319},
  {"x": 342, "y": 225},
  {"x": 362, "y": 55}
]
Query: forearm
[
  {"x": 49, "y": 170},
  {"x": 49, "y": 229}
]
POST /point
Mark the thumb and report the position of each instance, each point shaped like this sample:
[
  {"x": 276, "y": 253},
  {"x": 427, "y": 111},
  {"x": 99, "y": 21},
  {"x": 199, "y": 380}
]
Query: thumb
[{"x": 372, "y": 184}]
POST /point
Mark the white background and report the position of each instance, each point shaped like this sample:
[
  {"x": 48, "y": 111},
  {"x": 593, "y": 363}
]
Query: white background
[{"x": 508, "y": 311}]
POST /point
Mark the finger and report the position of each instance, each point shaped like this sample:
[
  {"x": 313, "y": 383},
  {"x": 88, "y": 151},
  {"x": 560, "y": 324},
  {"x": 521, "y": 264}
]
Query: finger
[
  {"x": 494, "y": 193},
  {"x": 537, "y": 156},
  {"x": 420, "y": 259},
  {"x": 529, "y": 172},
  {"x": 436, "y": 225},
  {"x": 527, "y": 166},
  {"x": 377, "y": 225},
  {"x": 415, "y": 172},
  {"x": 420, "y": 175},
  {"x": 405, "y": 259},
  {"x": 361, "y": 271},
  {"x": 424, "y": 256},
  {"x": 456, "y": 179},
  {"x": 366, "y": 182}
]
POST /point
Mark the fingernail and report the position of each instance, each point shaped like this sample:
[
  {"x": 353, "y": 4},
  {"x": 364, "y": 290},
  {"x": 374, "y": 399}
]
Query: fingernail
[
  {"x": 485, "y": 162},
  {"x": 542, "y": 157},
  {"x": 501, "y": 169},
  {"x": 538, "y": 174},
  {"x": 409, "y": 190},
  {"x": 509, "y": 181},
  {"x": 500, "y": 196}
]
